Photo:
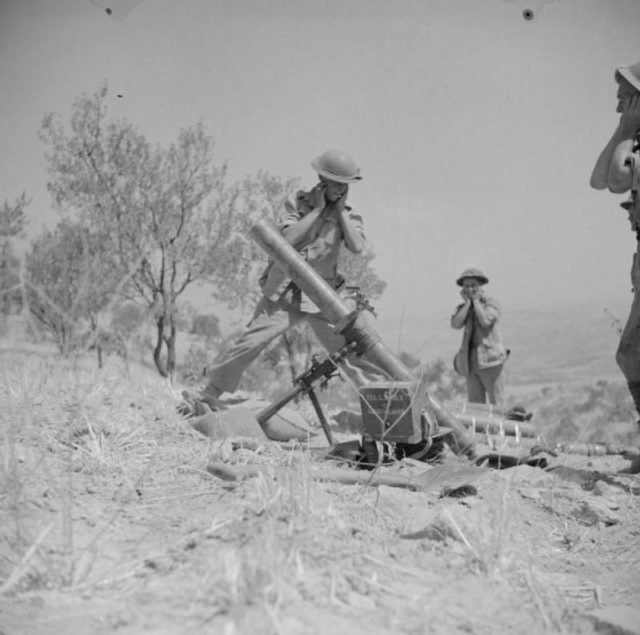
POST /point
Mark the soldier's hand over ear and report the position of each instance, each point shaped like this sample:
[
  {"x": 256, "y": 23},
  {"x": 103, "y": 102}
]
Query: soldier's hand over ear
[
  {"x": 340, "y": 203},
  {"x": 318, "y": 197}
]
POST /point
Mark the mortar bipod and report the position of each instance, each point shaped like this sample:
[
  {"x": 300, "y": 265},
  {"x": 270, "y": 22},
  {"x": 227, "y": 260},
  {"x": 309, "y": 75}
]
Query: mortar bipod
[{"x": 319, "y": 371}]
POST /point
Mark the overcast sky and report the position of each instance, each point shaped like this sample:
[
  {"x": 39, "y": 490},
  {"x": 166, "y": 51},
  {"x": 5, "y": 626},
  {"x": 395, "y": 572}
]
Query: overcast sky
[{"x": 476, "y": 130}]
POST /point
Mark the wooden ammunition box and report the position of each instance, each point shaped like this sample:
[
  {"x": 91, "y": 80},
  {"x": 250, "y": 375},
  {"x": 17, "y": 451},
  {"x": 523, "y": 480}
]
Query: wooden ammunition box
[{"x": 392, "y": 411}]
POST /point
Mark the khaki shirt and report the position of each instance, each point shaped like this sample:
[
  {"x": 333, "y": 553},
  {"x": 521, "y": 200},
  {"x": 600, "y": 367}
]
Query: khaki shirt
[
  {"x": 322, "y": 253},
  {"x": 485, "y": 339}
]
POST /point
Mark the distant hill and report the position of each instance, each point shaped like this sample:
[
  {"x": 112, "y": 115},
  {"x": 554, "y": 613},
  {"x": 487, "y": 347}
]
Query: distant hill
[{"x": 575, "y": 344}]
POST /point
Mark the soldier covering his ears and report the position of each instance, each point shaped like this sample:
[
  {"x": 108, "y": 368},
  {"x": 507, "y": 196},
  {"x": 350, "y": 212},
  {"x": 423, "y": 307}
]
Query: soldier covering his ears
[
  {"x": 482, "y": 354},
  {"x": 317, "y": 223},
  {"x": 618, "y": 170}
]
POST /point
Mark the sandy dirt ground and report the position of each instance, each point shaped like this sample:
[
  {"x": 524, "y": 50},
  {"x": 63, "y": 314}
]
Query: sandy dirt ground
[{"x": 111, "y": 523}]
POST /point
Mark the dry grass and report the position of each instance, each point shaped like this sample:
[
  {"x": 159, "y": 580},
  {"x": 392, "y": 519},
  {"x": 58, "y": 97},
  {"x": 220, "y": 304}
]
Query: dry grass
[
  {"x": 64, "y": 425},
  {"x": 104, "y": 495}
]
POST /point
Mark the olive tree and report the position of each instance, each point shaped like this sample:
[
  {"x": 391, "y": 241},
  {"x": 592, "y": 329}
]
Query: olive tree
[
  {"x": 12, "y": 226},
  {"x": 163, "y": 214},
  {"x": 70, "y": 280}
]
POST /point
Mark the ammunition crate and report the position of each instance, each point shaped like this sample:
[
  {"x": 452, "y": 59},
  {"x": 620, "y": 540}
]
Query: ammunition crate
[{"x": 392, "y": 411}]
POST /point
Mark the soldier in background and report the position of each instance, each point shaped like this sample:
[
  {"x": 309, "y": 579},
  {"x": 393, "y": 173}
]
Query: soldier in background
[
  {"x": 618, "y": 170},
  {"x": 482, "y": 354}
]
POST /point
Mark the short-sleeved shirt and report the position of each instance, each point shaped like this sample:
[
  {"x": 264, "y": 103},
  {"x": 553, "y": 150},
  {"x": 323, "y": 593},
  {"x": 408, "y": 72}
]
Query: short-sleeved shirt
[
  {"x": 322, "y": 252},
  {"x": 485, "y": 340}
]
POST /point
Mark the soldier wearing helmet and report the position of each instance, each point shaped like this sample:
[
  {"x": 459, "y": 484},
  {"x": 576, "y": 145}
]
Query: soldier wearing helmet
[
  {"x": 317, "y": 223},
  {"x": 482, "y": 354},
  {"x": 618, "y": 170},
  {"x": 614, "y": 169}
]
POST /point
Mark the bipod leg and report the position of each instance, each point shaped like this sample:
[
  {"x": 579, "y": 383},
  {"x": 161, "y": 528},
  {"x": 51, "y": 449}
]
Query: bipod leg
[
  {"x": 264, "y": 415},
  {"x": 323, "y": 420}
]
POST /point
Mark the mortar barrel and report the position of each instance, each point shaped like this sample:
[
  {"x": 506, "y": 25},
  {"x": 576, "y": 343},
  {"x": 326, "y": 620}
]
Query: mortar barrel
[
  {"x": 296, "y": 268},
  {"x": 324, "y": 297}
]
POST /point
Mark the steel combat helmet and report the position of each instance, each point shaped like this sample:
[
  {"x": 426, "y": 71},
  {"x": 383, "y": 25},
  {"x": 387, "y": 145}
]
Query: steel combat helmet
[
  {"x": 472, "y": 272},
  {"x": 336, "y": 165},
  {"x": 631, "y": 74}
]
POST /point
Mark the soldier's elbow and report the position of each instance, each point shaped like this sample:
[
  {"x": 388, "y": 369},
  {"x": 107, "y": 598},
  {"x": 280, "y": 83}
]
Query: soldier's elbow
[{"x": 619, "y": 187}]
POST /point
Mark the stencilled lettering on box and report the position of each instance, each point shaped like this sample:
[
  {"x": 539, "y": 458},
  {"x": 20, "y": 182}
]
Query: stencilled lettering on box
[{"x": 391, "y": 411}]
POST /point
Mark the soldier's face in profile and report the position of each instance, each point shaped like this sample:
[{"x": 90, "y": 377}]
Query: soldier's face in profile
[{"x": 625, "y": 92}]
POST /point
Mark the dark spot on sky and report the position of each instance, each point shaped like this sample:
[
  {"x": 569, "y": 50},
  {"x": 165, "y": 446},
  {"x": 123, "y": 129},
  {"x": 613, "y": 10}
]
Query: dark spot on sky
[
  {"x": 119, "y": 95},
  {"x": 528, "y": 14},
  {"x": 108, "y": 11}
]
